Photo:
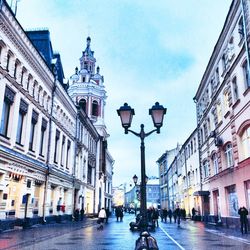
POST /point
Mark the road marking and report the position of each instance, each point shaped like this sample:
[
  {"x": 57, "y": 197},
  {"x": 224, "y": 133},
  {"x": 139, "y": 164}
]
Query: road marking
[{"x": 172, "y": 238}]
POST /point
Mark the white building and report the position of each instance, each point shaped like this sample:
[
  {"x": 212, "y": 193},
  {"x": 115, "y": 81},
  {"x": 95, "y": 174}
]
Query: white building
[{"x": 87, "y": 90}]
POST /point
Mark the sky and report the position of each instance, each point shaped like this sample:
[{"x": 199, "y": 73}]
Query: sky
[{"x": 148, "y": 51}]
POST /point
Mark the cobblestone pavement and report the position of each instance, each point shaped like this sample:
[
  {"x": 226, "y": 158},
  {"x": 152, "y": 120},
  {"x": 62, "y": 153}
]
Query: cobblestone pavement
[{"x": 116, "y": 235}]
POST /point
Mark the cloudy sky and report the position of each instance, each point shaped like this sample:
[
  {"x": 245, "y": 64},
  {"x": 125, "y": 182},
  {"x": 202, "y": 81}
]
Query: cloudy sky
[{"x": 148, "y": 51}]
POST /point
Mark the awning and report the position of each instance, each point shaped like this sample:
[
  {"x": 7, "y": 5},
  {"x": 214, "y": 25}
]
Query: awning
[{"x": 201, "y": 193}]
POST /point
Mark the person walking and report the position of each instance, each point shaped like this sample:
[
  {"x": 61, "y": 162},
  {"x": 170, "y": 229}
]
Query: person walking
[
  {"x": 107, "y": 214},
  {"x": 243, "y": 218},
  {"x": 178, "y": 215},
  {"x": 155, "y": 216},
  {"x": 193, "y": 213},
  {"x": 165, "y": 214},
  {"x": 170, "y": 214},
  {"x": 101, "y": 217}
]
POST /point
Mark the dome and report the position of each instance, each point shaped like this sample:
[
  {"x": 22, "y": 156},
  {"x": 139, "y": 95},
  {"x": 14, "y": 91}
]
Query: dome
[
  {"x": 74, "y": 78},
  {"x": 83, "y": 72}
]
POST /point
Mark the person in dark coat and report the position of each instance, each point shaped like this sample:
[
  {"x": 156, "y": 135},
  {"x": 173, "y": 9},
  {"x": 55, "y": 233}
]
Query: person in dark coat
[
  {"x": 155, "y": 216},
  {"x": 165, "y": 214},
  {"x": 107, "y": 214},
  {"x": 170, "y": 214},
  {"x": 178, "y": 215},
  {"x": 243, "y": 218},
  {"x": 193, "y": 213}
]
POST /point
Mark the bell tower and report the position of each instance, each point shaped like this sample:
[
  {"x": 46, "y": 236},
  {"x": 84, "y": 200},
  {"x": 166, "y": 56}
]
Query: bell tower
[{"x": 87, "y": 90}]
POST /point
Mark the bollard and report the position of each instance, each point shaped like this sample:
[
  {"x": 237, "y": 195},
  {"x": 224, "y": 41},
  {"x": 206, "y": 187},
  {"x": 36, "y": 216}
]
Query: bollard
[{"x": 146, "y": 242}]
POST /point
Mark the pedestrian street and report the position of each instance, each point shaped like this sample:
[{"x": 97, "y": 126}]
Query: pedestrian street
[{"x": 116, "y": 235}]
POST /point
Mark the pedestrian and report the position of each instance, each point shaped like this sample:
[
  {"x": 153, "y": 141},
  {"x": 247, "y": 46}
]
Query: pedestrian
[
  {"x": 193, "y": 213},
  {"x": 101, "y": 217},
  {"x": 243, "y": 218},
  {"x": 107, "y": 214},
  {"x": 117, "y": 213},
  {"x": 82, "y": 213},
  {"x": 165, "y": 214},
  {"x": 170, "y": 214},
  {"x": 155, "y": 216},
  {"x": 178, "y": 215}
]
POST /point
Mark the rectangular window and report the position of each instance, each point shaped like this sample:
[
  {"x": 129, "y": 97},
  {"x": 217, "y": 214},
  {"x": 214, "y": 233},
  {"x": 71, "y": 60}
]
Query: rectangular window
[
  {"x": 56, "y": 145},
  {"x": 62, "y": 151},
  {"x": 235, "y": 89},
  {"x": 68, "y": 155},
  {"x": 15, "y": 69},
  {"x": 8, "y": 62},
  {"x": 8, "y": 101},
  {"x": 23, "y": 109},
  {"x": 43, "y": 129},
  {"x": 89, "y": 178},
  {"x": 232, "y": 201},
  {"x": 34, "y": 120},
  {"x": 22, "y": 74},
  {"x": 246, "y": 74}
]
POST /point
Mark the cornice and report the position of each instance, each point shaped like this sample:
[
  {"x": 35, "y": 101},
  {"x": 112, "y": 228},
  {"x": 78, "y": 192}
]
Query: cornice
[{"x": 13, "y": 30}]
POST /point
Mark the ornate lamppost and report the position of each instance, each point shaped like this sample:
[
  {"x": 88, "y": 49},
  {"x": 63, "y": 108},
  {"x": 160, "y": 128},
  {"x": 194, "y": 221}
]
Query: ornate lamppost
[
  {"x": 157, "y": 113},
  {"x": 138, "y": 191}
]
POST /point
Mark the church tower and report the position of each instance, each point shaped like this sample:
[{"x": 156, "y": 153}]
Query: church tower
[{"x": 87, "y": 90}]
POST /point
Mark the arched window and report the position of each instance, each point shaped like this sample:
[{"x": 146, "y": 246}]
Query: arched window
[
  {"x": 83, "y": 104},
  {"x": 95, "y": 108},
  {"x": 229, "y": 155},
  {"x": 246, "y": 143},
  {"x": 215, "y": 163}
]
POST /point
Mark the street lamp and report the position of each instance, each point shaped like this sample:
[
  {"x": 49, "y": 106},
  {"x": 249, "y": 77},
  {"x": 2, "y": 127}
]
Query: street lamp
[
  {"x": 157, "y": 113},
  {"x": 138, "y": 191}
]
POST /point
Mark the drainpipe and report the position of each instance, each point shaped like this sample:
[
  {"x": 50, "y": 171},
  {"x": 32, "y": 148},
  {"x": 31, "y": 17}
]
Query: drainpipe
[
  {"x": 199, "y": 152},
  {"x": 244, "y": 8},
  {"x": 49, "y": 143},
  {"x": 74, "y": 169}
]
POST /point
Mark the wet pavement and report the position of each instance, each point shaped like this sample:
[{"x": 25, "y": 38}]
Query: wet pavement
[{"x": 116, "y": 235}]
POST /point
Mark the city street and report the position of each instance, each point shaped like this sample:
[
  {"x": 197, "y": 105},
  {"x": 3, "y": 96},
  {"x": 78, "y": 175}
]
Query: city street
[{"x": 116, "y": 235}]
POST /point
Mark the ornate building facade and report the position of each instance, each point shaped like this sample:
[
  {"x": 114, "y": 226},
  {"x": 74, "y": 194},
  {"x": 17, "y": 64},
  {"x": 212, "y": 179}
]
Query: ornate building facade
[
  {"x": 51, "y": 154},
  {"x": 87, "y": 90},
  {"x": 215, "y": 177}
]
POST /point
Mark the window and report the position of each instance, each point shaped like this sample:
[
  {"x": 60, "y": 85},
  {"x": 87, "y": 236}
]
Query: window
[
  {"x": 217, "y": 76},
  {"x": 246, "y": 143},
  {"x": 56, "y": 145},
  {"x": 15, "y": 69},
  {"x": 82, "y": 104},
  {"x": 22, "y": 74},
  {"x": 32, "y": 130},
  {"x": 43, "y": 129},
  {"x": 8, "y": 62},
  {"x": 205, "y": 168},
  {"x": 8, "y": 101},
  {"x": 241, "y": 28},
  {"x": 224, "y": 65},
  {"x": 219, "y": 112},
  {"x": 246, "y": 74},
  {"x": 232, "y": 200},
  {"x": 62, "y": 152},
  {"x": 89, "y": 177},
  {"x": 229, "y": 155},
  {"x": 201, "y": 136},
  {"x": 23, "y": 109},
  {"x": 235, "y": 89},
  {"x": 95, "y": 108},
  {"x": 215, "y": 163},
  {"x": 68, "y": 154}
]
